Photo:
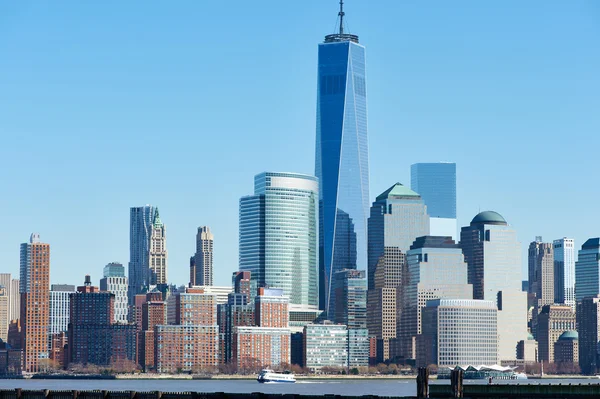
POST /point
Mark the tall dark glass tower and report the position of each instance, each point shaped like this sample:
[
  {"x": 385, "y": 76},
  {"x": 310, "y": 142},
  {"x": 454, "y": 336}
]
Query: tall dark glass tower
[{"x": 342, "y": 159}]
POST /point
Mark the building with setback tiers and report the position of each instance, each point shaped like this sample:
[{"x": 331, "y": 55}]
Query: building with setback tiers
[
  {"x": 541, "y": 271},
  {"x": 158, "y": 256},
  {"x": 114, "y": 281},
  {"x": 493, "y": 256},
  {"x": 398, "y": 217},
  {"x": 201, "y": 272},
  {"x": 553, "y": 320},
  {"x": 35, "y": 302}
]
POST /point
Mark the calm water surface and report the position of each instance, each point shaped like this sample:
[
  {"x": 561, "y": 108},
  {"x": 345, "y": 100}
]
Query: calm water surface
[{"x": 400, "y": 387}]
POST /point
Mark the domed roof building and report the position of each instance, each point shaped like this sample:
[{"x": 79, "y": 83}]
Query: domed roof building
[
  {"x": 566, "y": 349},
  {"x": 489, "y": 217}
]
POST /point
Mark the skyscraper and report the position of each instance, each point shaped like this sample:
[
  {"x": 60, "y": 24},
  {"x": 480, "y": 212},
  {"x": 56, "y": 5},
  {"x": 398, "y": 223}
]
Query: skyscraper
[
  {"x": 35, "y": 301},
  {"x": 398, "y": 217},
  {"x": 552, "y": 322},
  {"x": 588, "y": 326},
  {"x": 158, "y": 252},
  {"x": 587, "y": 267},
  {"x": 203, "y": 259},
  {"x": 541, "y": 271},
  {"x": 278, "y": 236},
  {"x": 351, "y": 298},
  {"x": 493, "y": 256},
  {"x": 436, "y": 183},
  {"x": 114, "y": 281},
  {"x": 59, "y": 309},
  {"x": 564, "y": 271},
  {"x": 140, "y": 230},
  {"x": 342, "y": 160}
]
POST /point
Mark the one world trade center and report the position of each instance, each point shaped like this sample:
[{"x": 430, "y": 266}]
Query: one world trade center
[{"x": 342, "y": 159}]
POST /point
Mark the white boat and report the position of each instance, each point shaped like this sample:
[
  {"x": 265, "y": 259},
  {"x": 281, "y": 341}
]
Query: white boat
[{"x": 267, "y": 375}]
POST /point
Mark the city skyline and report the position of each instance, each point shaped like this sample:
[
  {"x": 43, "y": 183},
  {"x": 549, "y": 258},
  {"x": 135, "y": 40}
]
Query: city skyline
[{"x": 497, "y": 186}]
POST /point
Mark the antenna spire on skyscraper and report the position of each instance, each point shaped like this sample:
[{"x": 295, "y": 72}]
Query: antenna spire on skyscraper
[{"x": 341, "y": 15}]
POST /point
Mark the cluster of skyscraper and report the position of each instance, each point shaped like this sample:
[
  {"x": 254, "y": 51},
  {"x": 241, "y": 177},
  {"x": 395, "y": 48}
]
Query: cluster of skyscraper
[{"x": 325, "y": 278}]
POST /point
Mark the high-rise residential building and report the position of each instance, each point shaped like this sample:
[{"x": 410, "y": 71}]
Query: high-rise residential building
[
  {"x": 398, "y": 217},
  {"x": 342, "y": 157},
  {"x": 238, "y": 312},
  {"x": 541, "y": 271},
  {"x": 493, "y": 256},
  {"x": 35, "y": 301},
  {"x": 15, "y": 299},
  {"x": 158, "y": 259},
  {"x": 279, "y": 237},
  {"x": 459, "y": 332},
  {"x": 154, "y": 313},
  {"x": 325, "y": 345},
  {"x": 588, "y": 326},
  {"x": 436, "y": 269},
  {"x": 93, "y": 336},
  {"x": 141, "y": 220},
  {"x": 220, "y": 292},
  {"x": 564, "y": 271},
  {"x": 190, "y": 348},
  {"x": 587, "y": 270},
  {"x": 350, "y": 288},
  {"x": 59, "y": 310},
  {"x": 260, "y": 347},
  {"x": 552, "y": 322},
  {"x": 114, "y": 281},
  {"x": 202, "y": 269},
  {"x": 436, "y": 183},
  {"x": 241, "y": 282},
  {"x": 4, "y": 311},
  {"x": 271, "y": 308}
]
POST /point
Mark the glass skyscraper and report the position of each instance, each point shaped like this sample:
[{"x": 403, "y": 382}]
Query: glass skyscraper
[
  {"x": 564, "y": 271},
  {"x": 587, "y": 277},
  {"x": 140, "y": 231},
  {"x": 279, "y": 236},
  {"x": 341, "y": 161},
  {"x": 436, "y": 183}
]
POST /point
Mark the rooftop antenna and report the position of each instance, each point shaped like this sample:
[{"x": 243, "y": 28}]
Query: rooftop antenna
[{"x": 341, "y": 15}]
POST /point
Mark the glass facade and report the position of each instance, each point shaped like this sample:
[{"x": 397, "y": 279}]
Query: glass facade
[
  {"x": 140, "y": 231},
  {"x": 341, "y": 161},
  {"x": 436, "y": 183},
  {"x": 564, "y": 271},
  {"x": 587, "y": 269},
  {"x": 279, "y": 236},
  {"x": 349, "y": 304}
]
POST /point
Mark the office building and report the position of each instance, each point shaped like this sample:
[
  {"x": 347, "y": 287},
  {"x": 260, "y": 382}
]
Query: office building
[
  {"x": 114, "y": 281},
  {"x": 59, "y": 310},
  {"x": 436, "y": 270},
  {"x": 325, "y": 345},
  {"x": 201, "y": 272},
  {"x": 459, "y": 332},
  {"x": 158, "y": 258},
  {"x": 140, "y": 230},
  {"x": 587, "y": 270},
  {"x": 541, "y": 271},
  {"x": 35, "y": 301},
  {"x": 436, "y": 183},
  {"x": 4, "y": 311},
  {"x": 188, "y": 348},
  {"x": 220, "y": 292},
  {"x": 279, "y": 237},
  {"x": 566, "y": 348},
  {"x": 93, "y": 336},
  {"x": 493, "y": 256},
  {"x": 398, "y": 217},
  {"x": 564, "y": 271},
  {"x": 297, "y": 349},
  {"x": 255, "y": 348},
  {"x": 342, "y": 157},
  {"x": 552, "y": 322},
  {"x": 350, "y": 288},
  {"x": 527, "y": 350},
  {"x": 588, "y": 326},
  {"x": 358, "y": 347}
]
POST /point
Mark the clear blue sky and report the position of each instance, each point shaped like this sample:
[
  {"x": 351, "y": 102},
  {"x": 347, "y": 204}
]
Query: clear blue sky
[{"x": 108, "y": 105}]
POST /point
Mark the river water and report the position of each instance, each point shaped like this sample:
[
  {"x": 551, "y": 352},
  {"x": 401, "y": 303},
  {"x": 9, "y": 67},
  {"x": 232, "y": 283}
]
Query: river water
[{"x": 387, "y": 387}]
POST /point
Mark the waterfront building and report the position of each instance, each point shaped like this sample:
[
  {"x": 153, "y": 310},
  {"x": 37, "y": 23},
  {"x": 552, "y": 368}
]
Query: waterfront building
[
  {"x": 188, "y": 348},
  {"x": 202, "y": 269},
  {"x": 271, "y": 308},
  {"x": 398, "y": 217},
  {"x": 436, "y": 183},
  {"x": 350, "y": 288},
  {"x": 553, "y": 320},
  {"x": 220, "y": 292},
  {"x": 11, "y": 360},
  {"x": 59, "y": 310},
  {"x": 297, "y": 348},
  {"x": 93, "y": 336},
  {"x": 58, "y": 349},
  {"x": 541, "y": 271},
  {"x": 564, "y": 271},
  {"x": 158, "y": 256},
  {"x": 341, "y": 159},
  {"x": 587, "y": 270},
  {"x": 260, "y": 347},
  {"x": 4, "y": 311},
  {"x": 527, "y": 350},
  {"x": 325, "y": 345},
  {"x": 192, "y": 309},
  {"x": 140, "y": 230},
  {"x": 114, "y": 281},
  {"x": 35, "y": 301},
  {"x": 238, "y": 312},
  {"x": 566, "y": 348},
  {"x": 436, "y": 269},
  {"x": 154, "y": 313},
  {"x": 279, "y": 237},
  {"x": 358, "y": 347},
  {"x": 460, "y": 331},
  {"x": 493, "y": 256},
  {"x": 588, "y": 326}
]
